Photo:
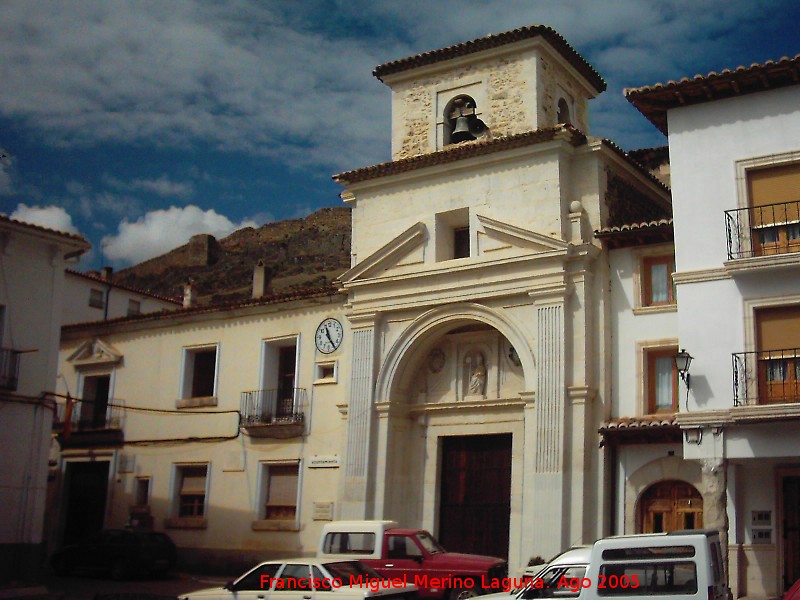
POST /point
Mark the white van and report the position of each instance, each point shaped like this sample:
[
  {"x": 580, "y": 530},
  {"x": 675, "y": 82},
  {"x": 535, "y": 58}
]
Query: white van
[{"x": 681, "y": 565}]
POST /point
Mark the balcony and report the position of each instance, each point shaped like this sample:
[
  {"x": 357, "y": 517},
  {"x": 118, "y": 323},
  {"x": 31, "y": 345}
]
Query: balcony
[
  {"x": 766, "y": 377},
  {"x": 274, "y": 413},
  {"x": 763, "y": 230},
  {"x": 9, "y": 369},
  {"x": 92, "y": 424}
]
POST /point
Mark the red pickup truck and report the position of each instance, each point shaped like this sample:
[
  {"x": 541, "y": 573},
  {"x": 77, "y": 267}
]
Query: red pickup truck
[{"x": 415, "y": 557}]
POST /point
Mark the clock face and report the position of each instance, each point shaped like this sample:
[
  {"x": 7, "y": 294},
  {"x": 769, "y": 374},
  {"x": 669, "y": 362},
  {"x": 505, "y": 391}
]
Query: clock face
[{"x": 329, "y": 336}]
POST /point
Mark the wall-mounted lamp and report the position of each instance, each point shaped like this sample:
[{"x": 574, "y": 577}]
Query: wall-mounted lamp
[{"x": 683, "y": 361}]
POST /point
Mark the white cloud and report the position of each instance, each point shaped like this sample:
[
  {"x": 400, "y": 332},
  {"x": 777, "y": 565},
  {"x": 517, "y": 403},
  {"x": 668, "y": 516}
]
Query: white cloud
[
  {"x": 159, "y": 231},
  {"x": 52, "y": 217}
]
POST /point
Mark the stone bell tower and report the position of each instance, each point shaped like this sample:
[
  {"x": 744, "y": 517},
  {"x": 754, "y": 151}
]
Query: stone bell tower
[{"x": 500, "y": 85}]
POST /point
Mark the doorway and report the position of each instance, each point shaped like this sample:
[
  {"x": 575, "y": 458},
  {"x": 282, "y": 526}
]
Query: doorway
[
  {"x": 86, "y": 484},
  {"x": 95, "y": 401},
  {"x": 670, "y": 506},
  {"x": 475, "y": 492},
  {"x": 791, "y": 531}
]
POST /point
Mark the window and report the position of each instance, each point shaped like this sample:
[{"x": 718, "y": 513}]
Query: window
[
  {"x": 192, "y": 490},
  {"x": 453, "y": 236},
  {"x": 774, "y": 196},
  {"x": 778, "y": 355},
  {"x": 563, "y": 112},
  {"x": 134, "y": 308},
  {"x": 662, "y": 380},
  {"x": 142, "y": 491},
  {"x": 280, "y": 491},
  {"x": 200, "y": 372},
  {"x": 96, "y": 298},
  {"x": 658, "y": 287}
]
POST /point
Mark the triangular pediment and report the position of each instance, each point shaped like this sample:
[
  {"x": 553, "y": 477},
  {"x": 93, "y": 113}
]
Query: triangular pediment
[
  {"x": 388, "y": 255},
  {"x": 94, "y": 353},
  {"x": 519, "y": 237}
]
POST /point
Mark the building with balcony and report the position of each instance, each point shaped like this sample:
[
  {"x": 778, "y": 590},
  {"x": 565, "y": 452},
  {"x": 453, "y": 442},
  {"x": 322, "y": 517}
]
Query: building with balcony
[
  {"x": 220, "y": 425},
  {"x": 30, "y": 322},
  {"x": 734, "y": 146}
]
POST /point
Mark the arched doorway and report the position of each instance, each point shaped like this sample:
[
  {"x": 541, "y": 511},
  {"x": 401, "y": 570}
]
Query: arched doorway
[{"x": 669, "y": 506}]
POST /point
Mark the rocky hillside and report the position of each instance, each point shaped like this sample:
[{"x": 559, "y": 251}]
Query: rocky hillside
[{"x": 301, "y": 253}]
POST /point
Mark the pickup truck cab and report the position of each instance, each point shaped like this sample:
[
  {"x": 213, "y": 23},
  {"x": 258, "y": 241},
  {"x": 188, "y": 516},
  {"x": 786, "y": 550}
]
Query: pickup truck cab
[{"x": 413, "y": 556}]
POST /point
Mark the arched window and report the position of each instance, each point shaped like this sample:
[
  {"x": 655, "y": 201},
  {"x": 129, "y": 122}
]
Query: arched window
[
  {"x": 563, "y": 112},
  {"x": 670, "y": 506},
  {"x": 461, "y": 122}
]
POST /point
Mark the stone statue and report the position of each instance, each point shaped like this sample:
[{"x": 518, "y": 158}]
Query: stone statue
[{"x": 477, "y": 376}]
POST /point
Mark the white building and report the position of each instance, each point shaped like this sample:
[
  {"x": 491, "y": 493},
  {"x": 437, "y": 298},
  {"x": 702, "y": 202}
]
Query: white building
[
  {"x": 30, "y": 322},
  {"x": 734, "y": 144},
  {"x": 95, "y": 297},
  {"x": 481, "y": 329}
]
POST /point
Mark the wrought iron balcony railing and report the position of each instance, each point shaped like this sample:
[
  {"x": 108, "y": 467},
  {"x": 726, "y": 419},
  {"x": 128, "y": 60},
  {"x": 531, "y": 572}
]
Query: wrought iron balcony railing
[
  {"x": 265, "y": 407},
  {"x": 9, "y": 369},
  {"x": 763, "y": 230},
  {"x": 88, "y": 416},
  {"x": 766, "y": 377}
]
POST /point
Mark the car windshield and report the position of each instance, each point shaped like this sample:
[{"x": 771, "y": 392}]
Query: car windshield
[
  {"x": 430, "y": 545},
  {"x": 350, "y": 568}
]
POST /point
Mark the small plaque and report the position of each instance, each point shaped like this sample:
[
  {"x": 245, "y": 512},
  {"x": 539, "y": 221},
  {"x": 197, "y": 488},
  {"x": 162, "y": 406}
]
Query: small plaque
[
  {"x": 324, "y": 462},
  {"x": 126, "y": 463},
  {"x": 323, "y": 511}
]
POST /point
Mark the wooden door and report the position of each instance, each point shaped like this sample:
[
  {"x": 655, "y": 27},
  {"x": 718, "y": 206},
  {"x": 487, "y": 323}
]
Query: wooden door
[
  {"x": 671, "y": 506},
  {"x": 475, "y": 492}
]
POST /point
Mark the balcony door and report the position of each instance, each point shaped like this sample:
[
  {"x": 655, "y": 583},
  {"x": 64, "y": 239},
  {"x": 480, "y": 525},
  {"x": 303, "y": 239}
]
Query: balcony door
[
  {"x": 778, "y": 356},
  {"x": 775, "y": 209},
  {"x": 94, "y": 407}
]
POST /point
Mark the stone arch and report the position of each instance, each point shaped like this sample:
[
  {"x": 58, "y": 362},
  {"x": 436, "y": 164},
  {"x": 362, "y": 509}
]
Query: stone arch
[
  {"x": 662, "y": 469},
  {"x": 440, "y": 320}
]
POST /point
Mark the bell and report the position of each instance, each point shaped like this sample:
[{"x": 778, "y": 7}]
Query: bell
[{"x": 461, "y": 131}]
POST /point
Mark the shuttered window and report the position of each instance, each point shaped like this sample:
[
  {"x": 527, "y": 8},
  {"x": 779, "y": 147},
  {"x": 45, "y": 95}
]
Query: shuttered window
[
  {"x": 192, "y": 494},
  {"x": 281, "y": 492},
  {"x": 778, "y": 356},
  {"x": 774, "y": 195}
]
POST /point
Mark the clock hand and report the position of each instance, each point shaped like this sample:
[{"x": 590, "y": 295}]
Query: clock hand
[{"x": 328, "y": 335}]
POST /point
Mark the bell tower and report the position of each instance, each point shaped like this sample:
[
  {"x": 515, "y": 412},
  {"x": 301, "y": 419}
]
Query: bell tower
[{"x": 496, "y": 86}]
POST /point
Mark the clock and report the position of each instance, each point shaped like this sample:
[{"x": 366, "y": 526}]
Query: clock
[{"x": 329, "y": 336}]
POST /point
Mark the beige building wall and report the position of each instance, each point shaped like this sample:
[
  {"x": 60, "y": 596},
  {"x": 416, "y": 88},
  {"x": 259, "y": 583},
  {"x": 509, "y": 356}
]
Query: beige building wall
[{"x": 165, "y": 431}]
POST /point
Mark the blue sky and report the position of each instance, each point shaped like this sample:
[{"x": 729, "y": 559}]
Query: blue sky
[{"x": 141, "y": 123}]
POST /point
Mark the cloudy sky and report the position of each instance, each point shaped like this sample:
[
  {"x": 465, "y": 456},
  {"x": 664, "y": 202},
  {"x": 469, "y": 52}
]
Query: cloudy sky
[{"x": 141, "y": 123}]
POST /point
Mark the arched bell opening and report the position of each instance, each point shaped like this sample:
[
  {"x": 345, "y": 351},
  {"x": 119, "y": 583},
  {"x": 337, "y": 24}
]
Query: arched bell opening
[{"x": 461, "y": 122}]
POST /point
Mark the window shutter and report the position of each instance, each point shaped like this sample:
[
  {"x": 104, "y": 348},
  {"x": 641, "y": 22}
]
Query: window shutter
[
  {"x": 778, "y": 328},
  {"x": 771, "y": 186},
  {"x": 194, "y": 481},
  {"x": 282, "y": 485}
]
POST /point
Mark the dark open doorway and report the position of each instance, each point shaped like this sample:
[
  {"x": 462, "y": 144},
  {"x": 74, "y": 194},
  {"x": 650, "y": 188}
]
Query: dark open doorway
[{"x": 85, "y": 489}]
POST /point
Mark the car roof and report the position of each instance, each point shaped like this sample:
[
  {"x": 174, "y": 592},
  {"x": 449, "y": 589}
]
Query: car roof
[{"x": 308, "y": 560}]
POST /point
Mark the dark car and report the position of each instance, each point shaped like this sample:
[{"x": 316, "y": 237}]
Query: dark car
[{"x": 118, "y": 552}]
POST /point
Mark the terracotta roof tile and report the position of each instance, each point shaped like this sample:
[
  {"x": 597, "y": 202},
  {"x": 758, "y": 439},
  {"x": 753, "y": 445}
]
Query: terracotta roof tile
[
  {"x": 71, "y": 236},
  {"x": 653, "y": 101},
  {"x": 104, "y": 281},
  {"x": 328, "y": 291},
  {"x": 461, "y": 151},
  {"x": 495, "y": 41},
  {"x": 645, "y": 422}
]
